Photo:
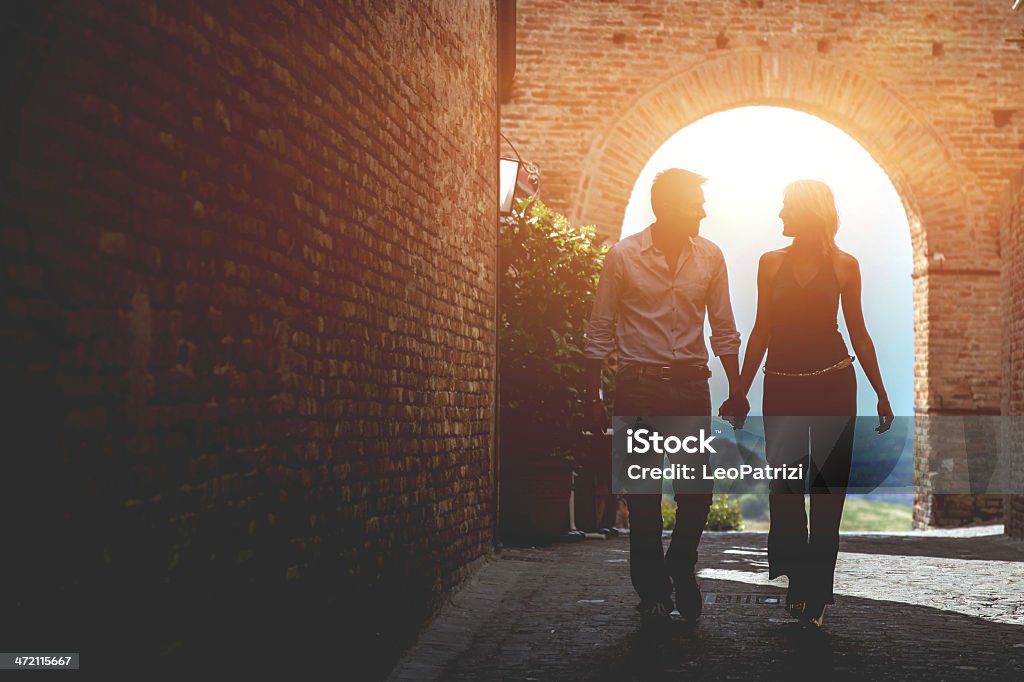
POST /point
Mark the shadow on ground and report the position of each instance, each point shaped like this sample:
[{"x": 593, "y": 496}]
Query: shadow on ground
[
  {"x": 863, "y": 639},
  {"x": 566, "y": 612}
]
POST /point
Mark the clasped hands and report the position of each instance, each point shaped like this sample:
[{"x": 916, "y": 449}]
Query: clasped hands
[{"x": 735, "y": 410}]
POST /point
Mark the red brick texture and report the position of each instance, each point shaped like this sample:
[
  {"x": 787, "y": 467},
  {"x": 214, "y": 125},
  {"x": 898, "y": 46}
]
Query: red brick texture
[
  {"x": 248, "y": 326},
  {"x": 934, "y": 96},
  {"x": 1012, "y": 240}
]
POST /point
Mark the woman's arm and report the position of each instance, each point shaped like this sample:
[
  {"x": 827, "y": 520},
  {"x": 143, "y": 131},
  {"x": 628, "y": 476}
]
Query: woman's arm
[
  {"x": 757, "y": 343},
  {"x": 863, "y": 347}
]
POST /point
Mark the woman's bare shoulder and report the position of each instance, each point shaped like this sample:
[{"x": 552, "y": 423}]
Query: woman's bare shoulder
[
  {"x": 772, "y": 257},
  {"x": 846, "y": 265},
  {"x": 770, "y": 262},
  {"x": 846, "y": 261}
]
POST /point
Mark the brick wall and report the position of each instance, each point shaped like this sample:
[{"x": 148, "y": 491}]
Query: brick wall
[
  {"x": 1012, "y": 241},
  {"x": 933, "y": 93},
  {"x": 248, "y": 340}
]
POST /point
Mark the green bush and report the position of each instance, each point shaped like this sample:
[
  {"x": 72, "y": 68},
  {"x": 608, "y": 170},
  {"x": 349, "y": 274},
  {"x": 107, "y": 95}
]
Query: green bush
[
  {"x": 548, "y": 272},
  {"x": 668, "y": 514},
  {"x": 725, "y": 514}
]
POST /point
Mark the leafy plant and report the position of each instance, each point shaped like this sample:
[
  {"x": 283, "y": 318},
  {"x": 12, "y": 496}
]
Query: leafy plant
[
  {"x": 725, "y": 514},
  {"x": 548, "y": 273},
  {"x": 668, "y": 514}
]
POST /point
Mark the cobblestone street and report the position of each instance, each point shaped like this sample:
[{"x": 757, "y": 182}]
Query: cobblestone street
[{"x": 931, "y": 605}]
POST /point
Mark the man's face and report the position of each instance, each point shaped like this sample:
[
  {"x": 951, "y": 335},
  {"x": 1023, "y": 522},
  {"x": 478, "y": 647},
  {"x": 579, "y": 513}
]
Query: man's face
[{"x": 691, "y": 211}]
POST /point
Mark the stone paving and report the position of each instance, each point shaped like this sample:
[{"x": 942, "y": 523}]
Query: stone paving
[{"x": 935, "y": 605}]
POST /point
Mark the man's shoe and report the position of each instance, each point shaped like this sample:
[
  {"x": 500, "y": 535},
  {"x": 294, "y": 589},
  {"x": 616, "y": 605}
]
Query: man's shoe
[
  {"x": 795, "y": 600},
  {"x": 688, "y": 597},
  {"x": 654, "y": 612}
]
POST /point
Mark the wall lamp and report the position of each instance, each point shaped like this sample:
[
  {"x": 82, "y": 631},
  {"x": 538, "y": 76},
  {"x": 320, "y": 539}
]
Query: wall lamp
[{"x": 517, "y": 179}]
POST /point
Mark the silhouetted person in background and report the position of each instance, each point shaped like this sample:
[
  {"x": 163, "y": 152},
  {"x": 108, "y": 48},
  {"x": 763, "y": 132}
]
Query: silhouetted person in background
[
  {"x": 653, "y": 293},
  {"x": 810, "y": 390}
]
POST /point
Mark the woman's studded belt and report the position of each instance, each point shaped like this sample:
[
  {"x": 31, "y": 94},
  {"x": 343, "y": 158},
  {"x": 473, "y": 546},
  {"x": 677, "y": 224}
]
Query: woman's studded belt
[{"x": 845, "y": 362}]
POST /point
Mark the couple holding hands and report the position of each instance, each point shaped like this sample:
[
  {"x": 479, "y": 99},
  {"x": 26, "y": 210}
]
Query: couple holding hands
[{"x": 654, "y": 290}]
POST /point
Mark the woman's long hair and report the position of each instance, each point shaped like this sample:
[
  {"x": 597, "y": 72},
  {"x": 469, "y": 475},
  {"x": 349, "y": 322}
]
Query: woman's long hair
[{"x": 817, "y": 199}]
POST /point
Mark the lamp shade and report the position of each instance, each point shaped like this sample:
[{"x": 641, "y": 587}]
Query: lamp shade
[{"x": 508, "y": 176}]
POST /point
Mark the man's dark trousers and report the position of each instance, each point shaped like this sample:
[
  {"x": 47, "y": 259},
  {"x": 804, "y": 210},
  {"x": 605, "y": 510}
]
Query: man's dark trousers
[{"x": 649, "y": 568}]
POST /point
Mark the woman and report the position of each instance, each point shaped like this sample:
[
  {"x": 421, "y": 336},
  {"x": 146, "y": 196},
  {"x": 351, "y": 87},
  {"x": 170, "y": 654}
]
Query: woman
[{"x": 810, "y": 390}]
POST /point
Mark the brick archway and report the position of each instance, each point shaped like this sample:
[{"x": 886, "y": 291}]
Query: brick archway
[{"x": 917, "y": 161}]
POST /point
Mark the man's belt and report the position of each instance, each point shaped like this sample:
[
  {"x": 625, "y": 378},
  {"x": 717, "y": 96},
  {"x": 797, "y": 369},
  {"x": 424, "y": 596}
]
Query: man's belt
[{"x": 676, "y": 372}]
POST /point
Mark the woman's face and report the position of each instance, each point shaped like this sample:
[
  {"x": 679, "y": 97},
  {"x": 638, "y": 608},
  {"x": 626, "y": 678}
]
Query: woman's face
[{"x": 796, "y": 220}]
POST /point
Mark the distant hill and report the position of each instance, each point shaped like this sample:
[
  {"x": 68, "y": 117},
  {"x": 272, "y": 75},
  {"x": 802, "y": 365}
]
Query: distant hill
[
  {"x": 859, "y": 513},
  {"x": 902, "y": 499}
]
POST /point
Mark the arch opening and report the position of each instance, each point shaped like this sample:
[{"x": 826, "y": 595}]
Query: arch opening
[{"x": 749, "y": 154}]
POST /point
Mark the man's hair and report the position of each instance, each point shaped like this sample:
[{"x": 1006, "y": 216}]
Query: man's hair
[
  {"x": 816, "y": 198},
  {"x": 669, "y": 185}
]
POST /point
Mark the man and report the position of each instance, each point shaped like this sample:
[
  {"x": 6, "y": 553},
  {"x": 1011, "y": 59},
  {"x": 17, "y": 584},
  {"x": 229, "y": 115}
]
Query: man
[{"x": 652, "y": 295}]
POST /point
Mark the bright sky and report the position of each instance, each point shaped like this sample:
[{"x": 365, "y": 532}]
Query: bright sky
[{"x": 748, "y": 155}]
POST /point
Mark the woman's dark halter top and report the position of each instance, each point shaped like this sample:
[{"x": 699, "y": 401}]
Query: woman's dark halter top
[{"x": 804, "y": 329}]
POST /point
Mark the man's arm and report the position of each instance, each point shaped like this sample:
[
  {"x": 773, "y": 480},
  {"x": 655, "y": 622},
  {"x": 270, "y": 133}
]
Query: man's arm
[
  {"x": 731, "y": 365},
  {"x": 725, "y": 340},
  {"x": 600, "y": 337}
]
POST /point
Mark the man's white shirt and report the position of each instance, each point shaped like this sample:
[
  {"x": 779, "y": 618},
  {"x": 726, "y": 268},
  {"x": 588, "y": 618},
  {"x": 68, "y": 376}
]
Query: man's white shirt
[{"x": 649, "y": 315}]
